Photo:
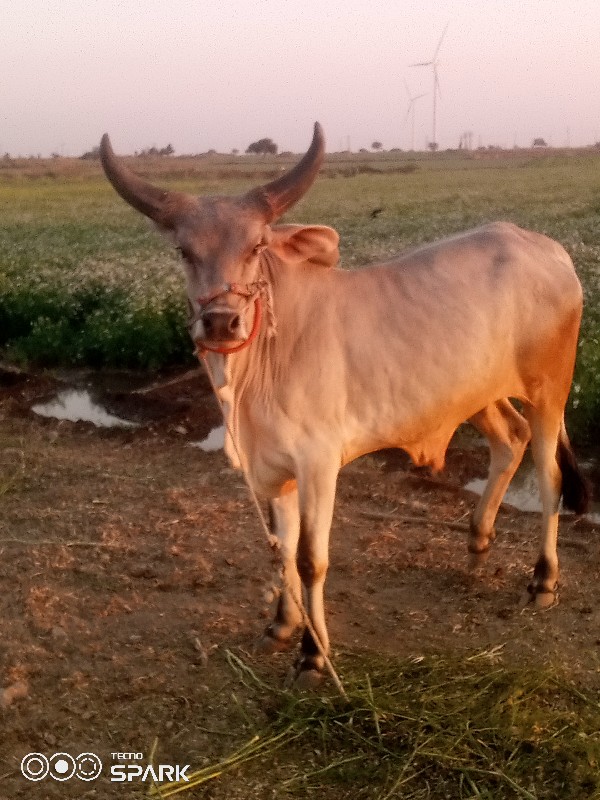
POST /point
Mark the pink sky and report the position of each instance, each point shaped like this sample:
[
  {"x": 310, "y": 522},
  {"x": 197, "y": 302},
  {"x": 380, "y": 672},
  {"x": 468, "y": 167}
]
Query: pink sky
[{"x": 220, "y": 75}]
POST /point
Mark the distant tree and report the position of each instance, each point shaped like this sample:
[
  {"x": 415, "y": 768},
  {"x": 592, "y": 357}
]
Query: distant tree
[
  {"x": 156, "y": 151},
  {"x": 376, "y": 146},
  {"x": 539, "y": 142},
  {"x": 92, "y": 154},
  {"x": 262, "y": 146},
  {"x": 235, "y": 151},
  {"x": 433, "y": 146},
  {"x": 363, "y": 150}
]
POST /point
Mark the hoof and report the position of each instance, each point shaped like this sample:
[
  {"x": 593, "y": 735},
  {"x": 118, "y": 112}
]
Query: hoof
[
  {"x": 542, "y": 598},
  {"x": 269, "y": 643},
  {"x": 304, "y": 680},
  {"x": 307, "y": 673},
  {"x": 478, "y": 544},
  {"x": 478, "y": 560}
]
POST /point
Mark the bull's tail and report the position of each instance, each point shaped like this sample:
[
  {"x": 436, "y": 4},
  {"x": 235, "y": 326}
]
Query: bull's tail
[{"x": 575, "y": 487}]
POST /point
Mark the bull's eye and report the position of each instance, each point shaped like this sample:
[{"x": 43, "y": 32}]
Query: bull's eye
[{"x": 186, "y": 255}]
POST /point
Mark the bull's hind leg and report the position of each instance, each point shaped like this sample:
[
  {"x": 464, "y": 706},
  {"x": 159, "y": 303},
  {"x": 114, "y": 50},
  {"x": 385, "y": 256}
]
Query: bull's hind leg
[
  {"x": 284, "y": 518},
  {"x": 508, "y": 434},
  {"x": 546, "y": 425}
]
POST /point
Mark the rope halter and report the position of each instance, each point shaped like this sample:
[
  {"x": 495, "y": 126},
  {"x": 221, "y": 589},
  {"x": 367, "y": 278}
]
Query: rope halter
[{"x": 250, "y": 291}]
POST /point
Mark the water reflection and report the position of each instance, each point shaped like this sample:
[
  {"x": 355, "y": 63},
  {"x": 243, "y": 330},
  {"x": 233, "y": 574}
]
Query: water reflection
[
  {"x": 76, "y": 405},
  {"x": 214, "y": 441},
  {"x": 523, "y": 493}
]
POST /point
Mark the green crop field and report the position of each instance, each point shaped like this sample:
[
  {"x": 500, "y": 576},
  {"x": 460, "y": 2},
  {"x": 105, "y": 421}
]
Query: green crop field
[{"x": 84, "y": 281}]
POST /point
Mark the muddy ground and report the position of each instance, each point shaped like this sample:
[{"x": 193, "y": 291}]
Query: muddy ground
[{"x": 130, "y": 563}]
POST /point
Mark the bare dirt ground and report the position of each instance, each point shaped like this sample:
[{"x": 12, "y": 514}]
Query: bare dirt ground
[{"x": 130, "y": 563}]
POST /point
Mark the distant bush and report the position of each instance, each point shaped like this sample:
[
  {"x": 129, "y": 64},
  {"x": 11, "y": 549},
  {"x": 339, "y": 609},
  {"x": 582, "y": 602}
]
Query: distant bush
[
  {"x": 353, "y": 170},
  {"x": 157, "y": 151},
  {"x": 584, "y": 406},
  {"x": 91, "y": 155}
]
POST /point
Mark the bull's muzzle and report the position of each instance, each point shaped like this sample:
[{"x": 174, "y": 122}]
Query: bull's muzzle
[
  {"x": 222, "y": 325},
  {"x": 222, "y": 329}
]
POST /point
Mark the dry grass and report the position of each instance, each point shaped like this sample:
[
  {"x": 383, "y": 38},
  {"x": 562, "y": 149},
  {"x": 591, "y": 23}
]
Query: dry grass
[{"x": 420, "y": 728}]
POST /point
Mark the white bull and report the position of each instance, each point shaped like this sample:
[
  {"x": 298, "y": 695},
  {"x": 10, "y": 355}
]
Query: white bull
[{"x": 318, "y": 365}]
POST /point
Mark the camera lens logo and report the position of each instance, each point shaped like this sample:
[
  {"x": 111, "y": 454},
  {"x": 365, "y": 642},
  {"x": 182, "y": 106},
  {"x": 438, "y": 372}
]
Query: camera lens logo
[
  {"x": 89, "y": 767},
  {"x": 35, "y": 766},
  {"x": 61, "y": 766}
]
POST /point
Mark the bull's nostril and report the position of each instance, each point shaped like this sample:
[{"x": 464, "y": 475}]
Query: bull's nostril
[{"x": 221, "y": 324}]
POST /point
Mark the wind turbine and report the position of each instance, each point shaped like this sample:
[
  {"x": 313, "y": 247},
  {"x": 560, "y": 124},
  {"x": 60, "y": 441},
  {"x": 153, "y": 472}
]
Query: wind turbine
[
  {"x": 411, "y": 111},
  {"x": 436, "y": 83}
]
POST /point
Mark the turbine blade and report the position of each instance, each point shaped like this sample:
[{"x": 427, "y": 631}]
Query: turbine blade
[
  {"x": 422, "y": 64},
  {"x": 437, "y": 49}
]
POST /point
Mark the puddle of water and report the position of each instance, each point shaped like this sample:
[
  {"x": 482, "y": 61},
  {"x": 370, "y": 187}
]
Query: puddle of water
[
  {"x": 76, "y": 405},
  {"x": 214, "y": 441},
  {"x": 523, "y": 494}
]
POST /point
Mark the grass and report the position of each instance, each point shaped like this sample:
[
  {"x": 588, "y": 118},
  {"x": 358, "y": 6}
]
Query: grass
[
  {"x": 83, "y": 281},
  {"x": 429, "y": 727}
]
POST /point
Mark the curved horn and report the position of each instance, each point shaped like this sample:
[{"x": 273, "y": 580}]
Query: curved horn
[
  {"x": 277, "y": 196},
  {"x": 144, "y": 197}
]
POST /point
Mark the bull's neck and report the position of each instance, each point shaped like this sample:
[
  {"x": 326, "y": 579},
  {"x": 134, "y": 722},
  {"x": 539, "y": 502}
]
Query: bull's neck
[
  {"x": 266, "y": 360},
  {"x": 256, "y": 361}
]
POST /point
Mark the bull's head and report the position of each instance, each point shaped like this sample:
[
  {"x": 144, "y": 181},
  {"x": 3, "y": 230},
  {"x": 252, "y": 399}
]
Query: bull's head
[{"x": 221, "y": 239}]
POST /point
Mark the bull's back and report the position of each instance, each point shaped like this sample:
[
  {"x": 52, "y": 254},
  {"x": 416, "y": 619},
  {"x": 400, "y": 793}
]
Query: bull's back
[
  {"x": 430, "y": 338},
  {"x": 495, "y": 281}
]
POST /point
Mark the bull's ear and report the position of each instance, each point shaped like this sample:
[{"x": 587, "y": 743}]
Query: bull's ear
[{"x": 312, "y": 244}]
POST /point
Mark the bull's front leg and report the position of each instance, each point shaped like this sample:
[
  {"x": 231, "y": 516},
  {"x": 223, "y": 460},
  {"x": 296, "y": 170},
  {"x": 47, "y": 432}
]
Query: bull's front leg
[
  {"x": 316, "y": 487},
  {"x": 284, "y": 519}
]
